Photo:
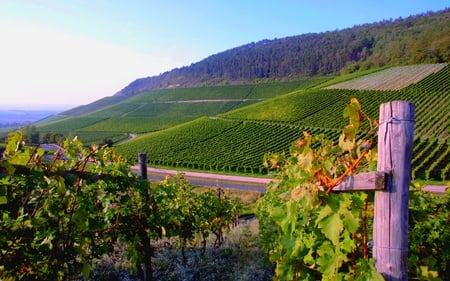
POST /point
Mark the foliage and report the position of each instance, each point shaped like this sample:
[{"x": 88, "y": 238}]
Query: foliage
[
  {"x": 310, "y": 232},
  {"x": 59, "y": 212},
  {"x": 420, "y": 38},
  {"x": 429, "y": 234},
  {"x": 56, "y": 210}
]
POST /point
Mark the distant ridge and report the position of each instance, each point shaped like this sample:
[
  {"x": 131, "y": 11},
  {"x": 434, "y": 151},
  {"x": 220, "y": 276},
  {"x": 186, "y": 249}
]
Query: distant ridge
[
  {"x": 422, "y": 38},
  {"x": 16, "y": 118}
]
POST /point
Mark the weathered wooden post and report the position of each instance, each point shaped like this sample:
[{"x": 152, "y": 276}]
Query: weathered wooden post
[
  {"x": 145, "y": 270},
  {"x": 390, "y": 232},
  {"x": 142, "y": 159}
]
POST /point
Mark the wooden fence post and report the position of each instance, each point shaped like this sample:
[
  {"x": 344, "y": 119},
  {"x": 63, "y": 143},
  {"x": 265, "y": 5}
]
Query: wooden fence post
[
  {"x": 142, "y": 159},
  {"x": 390, "y": 232}
]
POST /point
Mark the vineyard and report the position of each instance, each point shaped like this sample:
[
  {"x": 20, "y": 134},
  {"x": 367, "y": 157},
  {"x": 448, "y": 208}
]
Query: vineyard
[
  {"x": 69, "y": 216},
  {"x": 162, "y": 109},
  {"x": 236, "y": 141},
  {"x": 394, "y": 78},
  {"x": 59, "y": 216},
  {"x": 230, "y": 128}
]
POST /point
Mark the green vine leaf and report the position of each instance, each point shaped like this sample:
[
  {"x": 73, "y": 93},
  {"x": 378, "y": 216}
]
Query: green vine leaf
[
  {"x": 331, "y": 227},
  {"x": 86, "y": 270},
  {"x": 328, "y": 260}
]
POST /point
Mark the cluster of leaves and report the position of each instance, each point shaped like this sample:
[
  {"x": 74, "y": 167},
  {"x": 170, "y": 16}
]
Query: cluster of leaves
[
  {"x": 429, "y": 234},
  {"x": 54, "y": 209},
  {"x": 310, "y": 232},
  {"x": 172, "y": 208},
  {"x": 61, "y": 211}
]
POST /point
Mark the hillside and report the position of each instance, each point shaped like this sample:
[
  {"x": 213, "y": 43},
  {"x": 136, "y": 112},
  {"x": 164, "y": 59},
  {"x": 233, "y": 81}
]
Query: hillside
[
  {"x": 112, "y": 120},
  {"x": 230, "y": 128},
  {"x": 226, "y": 111},
  {"x": 417, "y": 39},
  {"x": 237, "y": 140},
  {"x": 394, "y": 78}
]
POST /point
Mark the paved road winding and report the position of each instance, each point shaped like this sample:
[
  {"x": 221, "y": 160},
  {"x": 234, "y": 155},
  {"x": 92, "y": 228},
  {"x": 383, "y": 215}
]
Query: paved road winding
[
  {"x": 235, "y": 182},
  {"x": 214, "y": 180}
]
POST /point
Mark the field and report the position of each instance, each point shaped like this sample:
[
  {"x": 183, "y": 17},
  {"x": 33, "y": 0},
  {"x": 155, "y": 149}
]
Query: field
[
  {"x": 230, "y": 128},
  {"x": 162, "y": 109},
  {"x": 394, "y": 78}
]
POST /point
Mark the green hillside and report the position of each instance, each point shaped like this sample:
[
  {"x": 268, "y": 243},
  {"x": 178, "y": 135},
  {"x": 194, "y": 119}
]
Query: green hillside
[
  {"x": 236, "y": 141},
  {"x": 229, "y": 128},
  {"x": 162, "y": 109}
]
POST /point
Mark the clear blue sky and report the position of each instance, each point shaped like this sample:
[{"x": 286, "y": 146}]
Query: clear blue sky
[{"x": 75, "y": 52}]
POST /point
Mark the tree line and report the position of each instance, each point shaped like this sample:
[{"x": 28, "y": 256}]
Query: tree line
[{"x": 421, "y": 38}]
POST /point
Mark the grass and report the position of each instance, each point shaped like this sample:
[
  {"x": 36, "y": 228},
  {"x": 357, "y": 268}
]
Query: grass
[
  {"x": 239, "y": 258},
  {"x": 430, "y": 182}
]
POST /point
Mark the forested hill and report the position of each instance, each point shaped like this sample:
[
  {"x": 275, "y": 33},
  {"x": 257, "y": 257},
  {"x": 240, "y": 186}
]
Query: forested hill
[{"x": 423, "y": 38}]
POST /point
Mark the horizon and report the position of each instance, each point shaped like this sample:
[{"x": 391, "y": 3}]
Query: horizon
[
  {"x": 36, "y": 107},
  {"x": 76, "y": 53},
  {"x": 27, "y": 114}
]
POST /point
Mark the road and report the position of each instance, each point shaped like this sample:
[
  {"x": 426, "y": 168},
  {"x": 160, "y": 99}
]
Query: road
[
  {"x": 235, "y": 182},
  {"x": 214, "y": 180}
]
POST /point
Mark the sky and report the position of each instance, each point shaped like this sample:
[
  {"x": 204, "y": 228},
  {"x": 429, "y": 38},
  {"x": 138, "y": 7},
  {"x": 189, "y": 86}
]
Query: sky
[{"x": 74, "y": 52}]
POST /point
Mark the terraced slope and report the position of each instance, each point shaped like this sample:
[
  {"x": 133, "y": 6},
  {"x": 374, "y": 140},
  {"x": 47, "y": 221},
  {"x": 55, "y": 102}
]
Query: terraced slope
[
  {"x": 272, "y": 125},
  {"x": 393, "y": 78},
  {"x": 162, "y": 109},
  {"x": 323, "y": 107}
]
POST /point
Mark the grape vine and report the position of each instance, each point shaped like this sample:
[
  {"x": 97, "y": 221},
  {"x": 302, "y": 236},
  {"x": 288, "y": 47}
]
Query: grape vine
[
  {"x": 429, "y": 235},
  {"x": 310, "y": 232},
  {"x": 61, "y": 211}
]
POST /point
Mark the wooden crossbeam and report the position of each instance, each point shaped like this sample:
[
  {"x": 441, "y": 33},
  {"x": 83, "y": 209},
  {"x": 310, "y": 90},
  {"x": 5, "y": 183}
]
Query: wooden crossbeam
[{"x": 363, "y": 181}]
